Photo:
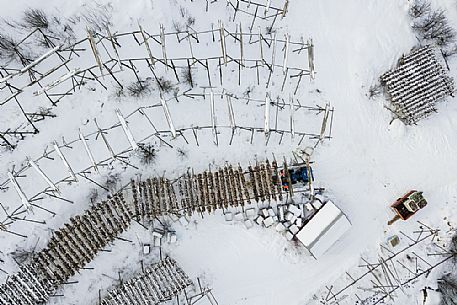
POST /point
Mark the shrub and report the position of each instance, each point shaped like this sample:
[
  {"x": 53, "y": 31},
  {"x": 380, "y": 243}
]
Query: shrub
[
  {"x": 448, "y": 289},
  {"x": 182, "y": 154},
  {"x": 112, "y": 181},
  {"x": 35, "y": 19},
  {"x": 165, "y": 85},
  {"x": 148, "y": 153},
  {"x": 375, "y": 90},
  {"x": 8, "y": 48},
  {"x": 139, "y": 88},
  {"x": 434, "y": 26},
  {"x": 98, "y": 17},
  {"x": 419, "y": 9},
  {"x": 188, "y": 76}
]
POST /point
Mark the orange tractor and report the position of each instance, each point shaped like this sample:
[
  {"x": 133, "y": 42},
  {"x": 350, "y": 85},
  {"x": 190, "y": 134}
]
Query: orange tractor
[{"x": 407, "y": 206}]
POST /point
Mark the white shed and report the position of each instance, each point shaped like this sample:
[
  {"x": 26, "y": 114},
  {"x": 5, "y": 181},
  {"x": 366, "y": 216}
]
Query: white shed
[{"x": 324, "y": 229}]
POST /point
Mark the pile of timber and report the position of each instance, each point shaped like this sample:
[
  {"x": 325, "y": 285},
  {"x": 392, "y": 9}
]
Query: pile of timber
[
  {"x": 26, "y": 288},
  {"x": 158, "y": 283},
  {"x": 153, "y": 197},
  {"x": 417, "y": 84},
  {"x": 206, "y": 192},
  {"x": 79, "y": 241},
  {"x": 69, "y": 249}
]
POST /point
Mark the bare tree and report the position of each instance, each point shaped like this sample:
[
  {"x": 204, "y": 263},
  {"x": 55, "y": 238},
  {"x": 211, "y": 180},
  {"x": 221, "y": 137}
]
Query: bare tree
[
  {"x": 434, "y": 26},
  {"x": 247, "y": 93},
  {"x": 8, "y": 48},
  {"x": 94, "y": 196},
  {"x": 112, "y": 181},
  {"x": 453, "y": 247},
  {"x": 375, "y": 90},
  {"x": 188, "y": 76},
  {"x": 118, "y": 90},
  {"x": 165, "y": 85},
  {"x": 448, "y": 289},
  {"x": 419, "y": 8},
  {"x": 177, "y": 26},
  {"x": 190, "y": 21},
  {"x": 450, "y": 51},
  {"x": 35, "y": 19},
  {"x": 182, "y": 154},
  {"x": 148, "y": 153},
  {"x": 447, "y": 284},
  {"x": 98, "y": 17},
  {"x": 139, "y": 88}
]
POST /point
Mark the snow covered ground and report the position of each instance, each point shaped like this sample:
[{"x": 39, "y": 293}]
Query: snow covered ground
[{"x": 369, "y": 162}]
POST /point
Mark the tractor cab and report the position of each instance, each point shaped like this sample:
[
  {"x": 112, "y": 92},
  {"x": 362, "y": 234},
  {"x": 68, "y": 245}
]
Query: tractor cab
[
  {"x": 299, "y": 174},
  {"x": 415, "y": 202}
]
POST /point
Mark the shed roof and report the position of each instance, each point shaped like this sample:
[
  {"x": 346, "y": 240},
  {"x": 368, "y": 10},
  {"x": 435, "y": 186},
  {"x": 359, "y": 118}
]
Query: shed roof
[{"x": 324, "y": 229}]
